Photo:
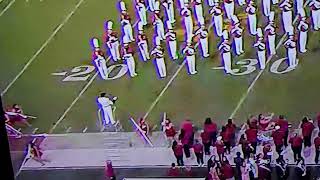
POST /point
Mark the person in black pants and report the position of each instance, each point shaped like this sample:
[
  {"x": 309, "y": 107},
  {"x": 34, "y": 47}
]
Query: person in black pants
[{"x": 238, "y": 161}]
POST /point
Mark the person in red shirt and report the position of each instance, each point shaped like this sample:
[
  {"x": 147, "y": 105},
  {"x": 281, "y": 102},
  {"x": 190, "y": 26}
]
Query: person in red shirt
[
  {"x": 318, "y": 119},
  {"x": 296, "y": 145},
  {"x": 170, "y": 131},
  {"x": 144, "y": 126},
  {"x": 173, "y": 171},
  {"x": 231, "y": 128},
  {"x": 220, "y": 148},
  {"x": 278, "y": 136},
  {"x": 226, "y": 137},
  {"x": 178, "y": 152},
  {"x": 317, "y": 147},
  {"x": 227, "y": 170},
  {"x": 109, "y": 172},
  {"x": 187, "y": 137},
  {"x": 198, "y": 150},
  {"x": 211, "y": 128},
  {"x": 206, "y": 142},
  {"x": 252, "y": 136},
  {"x": 246, "y": 150},
  {"x": 284, "y": 126},
  {"x": 307, "y": 128}
]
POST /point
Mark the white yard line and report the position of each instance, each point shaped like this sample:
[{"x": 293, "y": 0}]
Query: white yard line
[
  {"x": 7, "y": 7},
  {"x": 44, "y": 45},
  {"x": 245, "y": 95},
  {"x": 169, "y": 83},
  {"x": 79, "y": 95}
]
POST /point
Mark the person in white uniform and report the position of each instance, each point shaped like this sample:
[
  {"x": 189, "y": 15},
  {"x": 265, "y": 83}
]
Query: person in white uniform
[
  {"x": 229, "y": 7},
  {"x": 171, "y": 38},
  {"x": 202, "y": 33},
  {"x": 266, "y": 4},
  {"x": 198, "y": 11},
  {"x": 315, "y": 13},
  {"x": 142, "y": 42},
  {"x": 99, "y": 60},
  {"x": 105, "y": 104},
  {"x": 157, "y": 22},
  {"x": 142, "y": 11},
  {"x": 252, "y": 17},
  {"x": 112, "y": 42},
  {"x": 216, "y": 13},
  {"x": 158, "y": 55},
  {"x": 303, "y": 27},
  {"x": 225, "y": 50},
  {"x": 286, "y": 8},
  {"x": 188, "y": 23},
  {"x": 291, "y": 46},
  {"x": 237, "y": 31},
  {"x": 127, "y": 55},
  {"x": 169, "y": 7},
  {"x": 190, "y": 58},
  {"x": 151, "y": 5},
  {"x": 270, "y": 32},
  {"x": 261, "y": 49}
]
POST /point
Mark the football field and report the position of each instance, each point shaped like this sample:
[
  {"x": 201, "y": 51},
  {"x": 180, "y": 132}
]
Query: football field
[{"x": 45, "y": 60}]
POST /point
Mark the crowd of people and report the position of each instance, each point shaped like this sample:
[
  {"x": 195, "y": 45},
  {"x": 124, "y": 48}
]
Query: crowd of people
[{"x": 217, "y": 145}]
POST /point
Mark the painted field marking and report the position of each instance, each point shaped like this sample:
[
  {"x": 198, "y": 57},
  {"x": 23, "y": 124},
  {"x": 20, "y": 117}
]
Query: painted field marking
[
  {"x": 7, "y": 7},
  {"x": 169, "y": 82},
  {"x": 85, "y": 129},
  {"x": 245, "y": 95},
  {"x": 61, "y": 118},
  {"x": 44, "y": 45},
  {"x": 69, "y": 129},
  {"x": 35, "y": 130}
]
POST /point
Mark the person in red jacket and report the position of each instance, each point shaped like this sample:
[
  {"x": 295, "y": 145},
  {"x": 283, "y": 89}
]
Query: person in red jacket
[
  {"x": 198, "y": 150},
  {"x": 252, "y": 136},
  {"x": 317, "y": 147},
  {"x": 278, "y": 136},
  {"x": 109, "y": 172},
  {"x": 211, "y": 128},
  {"x": 170, "y": 131},
  {"x": 284, "y": 126},
  {"x": 296, "y": 145},
  {"x": 173, "y": 171},
  {"x": 205, "y": 137},
  {"x": 178, "y": 152},
  {"x": 226, "y": 137},
  {"x": 220, "y": 148},
  {"x": 307, "y": 128},
  {"x": 227, "y": 170}
]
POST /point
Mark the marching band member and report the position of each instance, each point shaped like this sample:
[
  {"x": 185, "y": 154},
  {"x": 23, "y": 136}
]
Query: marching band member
[
  {"x": 229, "y": 7},
  {"x": 286, "y": 7},
  {"x": 157, "y": 22},
  {"x": 274, "y": 2},
  {"x": 266, "y": 4},
  {"x": 237, "y": 34},
  {"x": 241, "y": 2},
  {"x": 225, "y": 49},
  {"x": 105, "y": 103},
  {"x": 171, "y": 37},
  {"x": 291, "y": 46},
  {"x": 303, "y": 32},
  {"x": 261, "y": 49},
  {"x": 202, "y": 32},
  {"x": 151, "y": 4},
  {"x": 252, "y": 17},
  {"x": 127, "y": 54},
  {"x": 190, "y": 58},
  {"x": 210, "y": 3},
  {"x": 188, "y": 22},
  {"x": 315, "y": 13},
  {"x": 142, "y": 11},
  {"x": 270, "y": 32},
  {"x": 122, "y": 6},
  {"x": 127, "y": 28},
  {"x": 299, "y": 5},
  {"x": 183, "y": 3},
  {"x": 111, "y": 39},
  {"x": 158, "y": 54},
  {"x": 99, "y": 60},
  {"x": 199, "y": 11},
  {"x": 168, "y": 5},
  {"x": 142, "y": 42},
  {"x": 216, "y": 12}
]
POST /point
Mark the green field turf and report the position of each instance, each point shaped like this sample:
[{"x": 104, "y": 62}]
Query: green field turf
[{"x": 53, "y": 36}]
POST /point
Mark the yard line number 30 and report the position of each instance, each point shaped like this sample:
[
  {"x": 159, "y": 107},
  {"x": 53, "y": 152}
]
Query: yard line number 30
[{"x": 83, "y": 72}]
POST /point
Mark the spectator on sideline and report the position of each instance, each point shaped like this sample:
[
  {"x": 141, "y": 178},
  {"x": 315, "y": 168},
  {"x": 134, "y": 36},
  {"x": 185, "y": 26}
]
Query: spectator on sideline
[
  {"x": 245, "y": 146},
  {"x": 264, "y": 169},
  {"x": 198, "y": 150},
  {"x": 211, "y": 162},
  {"x": 144, "y": 126},
  {"x": 253, "y": 173},
  {"x": 205, "y": 137},
  {"x": 214, "y": 173},
  {"x": 231, "y": 128},
  {"x": 245, "y": 171},
  {"x": 15, "y": 115},
  {"x": 267, "y": 151},
  {"x": 211, "y": 128},
  {"x": 281, "y": 168},
  {"x": 264, "y": 122},
  {"x": 226, "y": 137},
  {"x": 109, "y": 172},
  {"x": 318, "y": 120},
  {"x": 227, "y": 170},
  {"x": 238, "y": 161},
  {"x": 300, "y": 169},
  {"x": 178, "y": 152},
  {"x": 278, "y": 136},
  {"x": 284, "y": 126},
  {"x": 170, "y": 131},
  {"x": 35, "y": 153},
  {"x": 307, "y": 128},
  {"x": 220, "y": 148},
  {"x": 296, "y": 146},
  {"x": 173, "y": 171},
  {"x": 252, "y": 136},
  {"x": 317, "y": 148},
  {"x": 187, "y": 137}
]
